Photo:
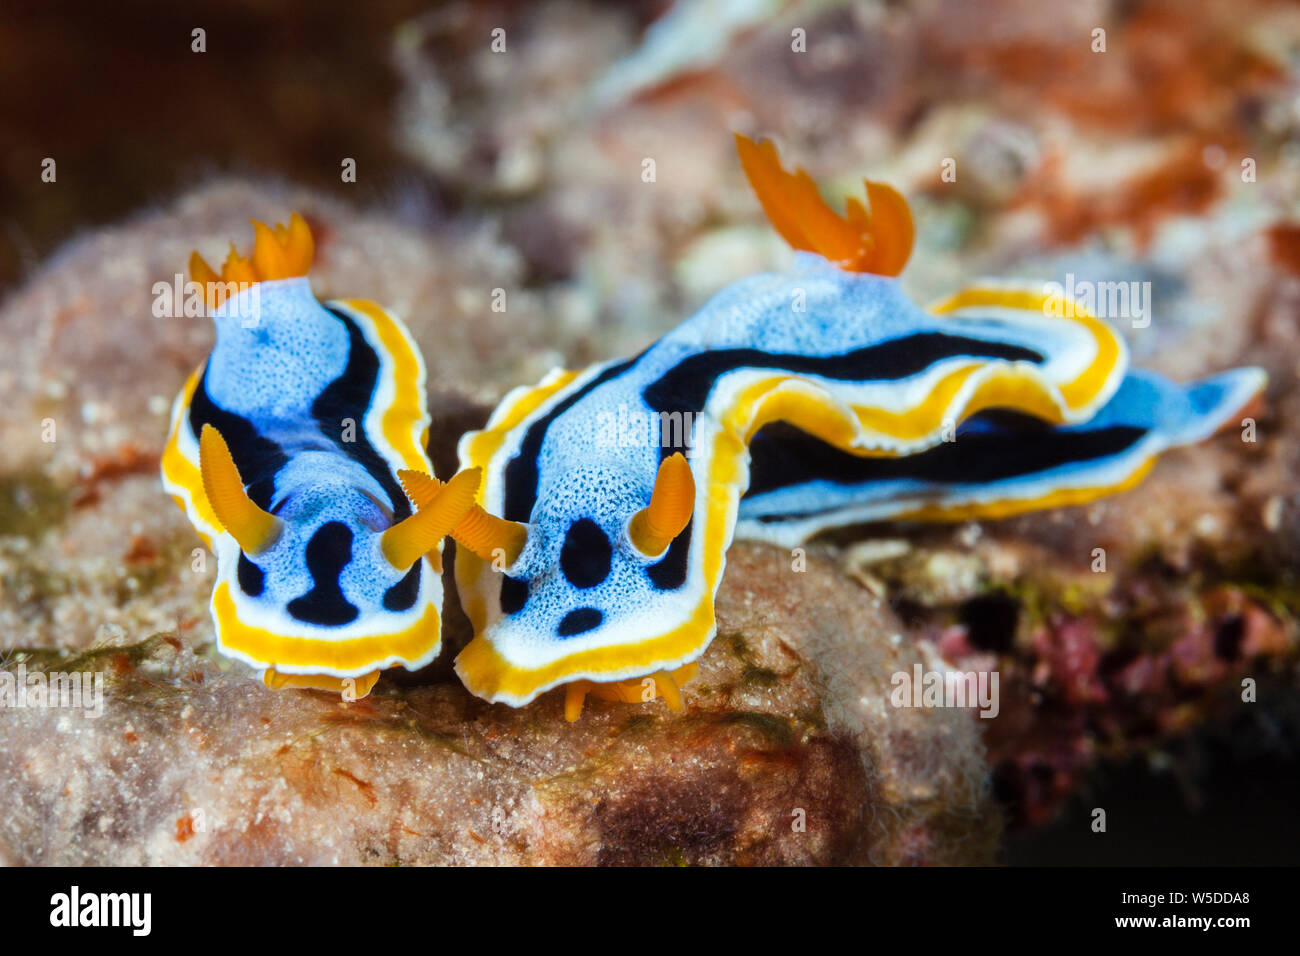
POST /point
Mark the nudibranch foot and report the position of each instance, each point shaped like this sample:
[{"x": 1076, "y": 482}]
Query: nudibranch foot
[
  {"x": 642, "y": 690},
  {"x": 352, "y": 688}
]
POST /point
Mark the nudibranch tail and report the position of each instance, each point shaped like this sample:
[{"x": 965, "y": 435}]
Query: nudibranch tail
[
  {"x": 284, "y": 450},
  {"x": 877, "y": 241},
  {"x": 1000, "y": 463}
]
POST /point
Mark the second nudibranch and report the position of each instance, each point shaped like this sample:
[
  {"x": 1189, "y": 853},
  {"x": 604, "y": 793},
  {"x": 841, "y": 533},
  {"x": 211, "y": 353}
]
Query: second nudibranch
[
  {"x": 286, "y": 451},
  {"x": 791, "y": 402}
]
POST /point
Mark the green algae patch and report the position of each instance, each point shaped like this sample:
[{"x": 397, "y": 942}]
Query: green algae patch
[
  {"x": 759, "y": 676},
  {"x": 30, "y": 504},
  {"x": 114, "y": 659},
  {"x": 777, "y": 730}
]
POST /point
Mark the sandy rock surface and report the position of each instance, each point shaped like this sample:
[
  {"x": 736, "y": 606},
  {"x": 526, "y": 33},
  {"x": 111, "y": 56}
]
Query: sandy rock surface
[{"x": 788, "y": 753}]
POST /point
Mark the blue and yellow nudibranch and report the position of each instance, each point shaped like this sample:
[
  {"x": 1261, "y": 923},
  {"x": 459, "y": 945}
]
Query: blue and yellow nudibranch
[
  {"x": 814, "y": 397},
  {"x": 287, "y": 450}
]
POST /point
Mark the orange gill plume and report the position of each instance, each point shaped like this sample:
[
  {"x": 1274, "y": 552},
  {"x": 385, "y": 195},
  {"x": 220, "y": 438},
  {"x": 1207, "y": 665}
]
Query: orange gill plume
[
  {"x": 279, "y": 252},
  {"x": 878, "y": 240}
]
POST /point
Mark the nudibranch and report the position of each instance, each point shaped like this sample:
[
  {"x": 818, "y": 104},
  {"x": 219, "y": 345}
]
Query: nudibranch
[
  {"x": 286, "y": 452},
  {"x": 790, "y": 403}
]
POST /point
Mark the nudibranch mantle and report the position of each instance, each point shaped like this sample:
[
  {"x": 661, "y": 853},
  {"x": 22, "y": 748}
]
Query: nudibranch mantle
[
  {"x": 284, "y": 451},
  {"x": 826, "y": 365}
]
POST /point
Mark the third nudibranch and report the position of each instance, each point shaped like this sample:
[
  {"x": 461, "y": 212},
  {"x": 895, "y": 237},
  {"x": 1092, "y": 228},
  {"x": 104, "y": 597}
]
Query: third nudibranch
[{"x": 814, "y": 397}]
